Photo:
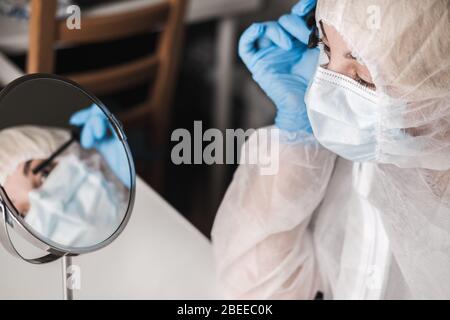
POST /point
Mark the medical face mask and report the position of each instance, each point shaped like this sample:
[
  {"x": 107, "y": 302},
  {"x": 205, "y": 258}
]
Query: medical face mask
[
  {"x": 345, "y": 116},
  {"x": 75, "y": 206}
]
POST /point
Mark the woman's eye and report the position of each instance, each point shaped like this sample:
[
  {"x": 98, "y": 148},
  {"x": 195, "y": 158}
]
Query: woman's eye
[
  {"x": 365, "y": 83},
  {"x": 327, "y": 50},
  {"x": 325, "y": 47},
  {"x": 325, "y": 57}
]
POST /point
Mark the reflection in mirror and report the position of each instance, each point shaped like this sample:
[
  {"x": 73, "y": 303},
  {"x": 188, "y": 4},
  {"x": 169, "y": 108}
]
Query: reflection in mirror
[{"x": 69, "y": 180}]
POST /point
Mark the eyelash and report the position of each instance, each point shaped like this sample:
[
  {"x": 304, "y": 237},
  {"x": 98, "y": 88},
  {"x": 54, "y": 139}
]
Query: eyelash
[
  {"x": 365, "y": 83},
  {"x": 325, "y": 47},
  {"x": 358, "y": 79}
]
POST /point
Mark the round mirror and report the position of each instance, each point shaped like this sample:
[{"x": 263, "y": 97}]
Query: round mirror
[{"x": 66, "y": 172}]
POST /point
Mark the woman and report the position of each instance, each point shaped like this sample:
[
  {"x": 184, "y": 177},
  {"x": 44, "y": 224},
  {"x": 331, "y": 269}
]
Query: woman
[{"x": 360, "y": 208}]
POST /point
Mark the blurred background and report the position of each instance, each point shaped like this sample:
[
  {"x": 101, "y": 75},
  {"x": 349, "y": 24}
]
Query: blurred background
[{"x": 158, "y": 65}]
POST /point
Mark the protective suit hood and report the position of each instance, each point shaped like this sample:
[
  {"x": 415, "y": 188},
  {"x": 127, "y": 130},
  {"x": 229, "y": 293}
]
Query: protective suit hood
[{"x": 407, "y": 55}]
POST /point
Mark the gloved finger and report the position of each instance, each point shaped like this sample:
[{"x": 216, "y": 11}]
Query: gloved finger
[
  {"x": 304, "y": 7},
  {"x": 99, "y": 125},
  {"x": 248, "y": 40},
  {"x": 264, "y": 43},
  {"x": 263, "y": 34},
  {"x": 296, "y": 26},
  {"x": 96, "y": 110},
  {"x": 79, "y": 118},
  {"x": 87, "y": 138},
  {"x": 275, "y": 33}
]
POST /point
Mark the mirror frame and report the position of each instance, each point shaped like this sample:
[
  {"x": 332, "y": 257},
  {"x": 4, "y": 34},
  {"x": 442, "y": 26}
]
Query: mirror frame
[{"x": 9, "y": 216}]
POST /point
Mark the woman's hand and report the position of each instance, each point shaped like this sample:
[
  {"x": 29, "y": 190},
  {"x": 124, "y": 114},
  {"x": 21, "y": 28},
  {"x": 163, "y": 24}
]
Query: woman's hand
[
  {"x": 277, "y": 55},
  {"x": 98, "y": 134}
]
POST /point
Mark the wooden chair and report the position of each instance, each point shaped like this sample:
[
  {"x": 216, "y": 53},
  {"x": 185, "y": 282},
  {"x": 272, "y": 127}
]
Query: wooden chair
[{"x": 159, "y": 66}]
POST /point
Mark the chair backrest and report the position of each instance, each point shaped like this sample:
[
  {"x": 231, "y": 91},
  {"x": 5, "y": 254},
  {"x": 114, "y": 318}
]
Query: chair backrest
[{"x": 166, "y": 16}]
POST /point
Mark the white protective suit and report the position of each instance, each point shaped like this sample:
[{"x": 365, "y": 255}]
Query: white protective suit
[{"x": 378, "y": 230}]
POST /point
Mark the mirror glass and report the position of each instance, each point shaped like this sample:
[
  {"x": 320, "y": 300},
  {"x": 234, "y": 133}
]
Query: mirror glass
[{"x": 64, "y": 165}]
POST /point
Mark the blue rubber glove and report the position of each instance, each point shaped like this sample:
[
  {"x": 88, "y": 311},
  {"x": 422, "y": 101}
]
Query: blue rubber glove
[
  {"x": 277, "y": 55},
  {"x": 98, "y": 134}
]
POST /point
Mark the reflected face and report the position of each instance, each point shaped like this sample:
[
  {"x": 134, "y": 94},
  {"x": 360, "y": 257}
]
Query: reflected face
[
  {"x": 76, "y": 192},
  {"x": 20, "y": 182},
  {"x": 340, "y": 58}
]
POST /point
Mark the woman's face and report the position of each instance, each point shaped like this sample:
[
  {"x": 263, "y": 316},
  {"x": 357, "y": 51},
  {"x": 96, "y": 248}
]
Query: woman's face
[
  {"x": 20, "y": 182},
  {"x": 340, "y": 58}
]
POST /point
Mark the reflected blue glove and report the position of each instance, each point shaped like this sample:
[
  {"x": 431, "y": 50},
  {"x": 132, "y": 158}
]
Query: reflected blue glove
[
  {"x": 98, "y": 134},
  {"x": 277, "y": 55}
]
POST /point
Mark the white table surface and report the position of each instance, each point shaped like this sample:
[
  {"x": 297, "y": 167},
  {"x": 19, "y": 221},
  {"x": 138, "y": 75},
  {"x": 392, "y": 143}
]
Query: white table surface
[
  {"x": 159, "y": 255},
  {"x": 14, "y": 32}
]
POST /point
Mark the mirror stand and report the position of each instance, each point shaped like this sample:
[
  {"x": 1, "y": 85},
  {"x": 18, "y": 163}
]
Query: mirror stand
[{"x": 66, "y": 264}]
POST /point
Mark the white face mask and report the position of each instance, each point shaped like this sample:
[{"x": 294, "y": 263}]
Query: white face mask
[
  {"x": 75, "y": 206},
  {"x": 344, "y": 115}
]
